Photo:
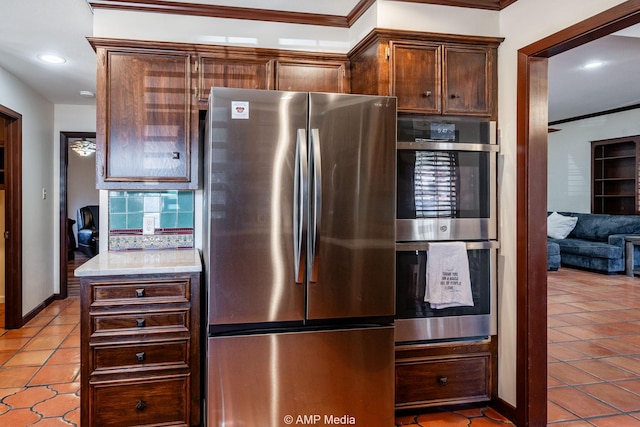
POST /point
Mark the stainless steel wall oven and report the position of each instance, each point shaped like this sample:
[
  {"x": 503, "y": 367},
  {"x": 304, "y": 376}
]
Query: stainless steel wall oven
[
  {"x": 446, "y": 180},
  {"x": 416, "y": 321},
  {"x": 446, "y": 191}
]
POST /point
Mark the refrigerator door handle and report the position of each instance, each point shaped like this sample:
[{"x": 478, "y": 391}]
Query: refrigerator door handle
[
  {"x": 316, "y": 209},
  {"x": 299, "y": 204}
]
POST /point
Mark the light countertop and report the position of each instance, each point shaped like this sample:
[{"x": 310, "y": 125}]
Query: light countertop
[{"x": 114, "y": 263}]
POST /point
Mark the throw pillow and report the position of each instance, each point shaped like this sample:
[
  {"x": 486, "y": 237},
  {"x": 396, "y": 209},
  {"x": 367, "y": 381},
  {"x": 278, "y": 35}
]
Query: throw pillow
[{"x": 559, "y": 226}]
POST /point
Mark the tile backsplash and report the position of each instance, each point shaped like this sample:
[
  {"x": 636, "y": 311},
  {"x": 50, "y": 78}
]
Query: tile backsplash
[{"x": 151, "y": 220}]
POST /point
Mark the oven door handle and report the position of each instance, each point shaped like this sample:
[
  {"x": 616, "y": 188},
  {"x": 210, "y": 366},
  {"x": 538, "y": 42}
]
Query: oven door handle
[
  {"x": 424, "y": 246},
  {"x": 446, "y": 146}
]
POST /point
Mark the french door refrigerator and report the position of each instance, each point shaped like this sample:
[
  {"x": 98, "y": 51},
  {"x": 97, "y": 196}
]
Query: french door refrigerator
[{"x": 299, "y": 254}]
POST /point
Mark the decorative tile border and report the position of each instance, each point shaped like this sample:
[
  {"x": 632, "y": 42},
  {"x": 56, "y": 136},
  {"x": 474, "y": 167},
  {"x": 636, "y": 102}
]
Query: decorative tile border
[{"x": 125, "y": 240}]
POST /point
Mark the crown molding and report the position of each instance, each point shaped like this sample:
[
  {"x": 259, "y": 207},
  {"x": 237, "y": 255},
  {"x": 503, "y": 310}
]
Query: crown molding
[
  {"x": 474, "y": 4},
  {"x": 193, "y": 9},
  {"x": 229, "y": 12}
]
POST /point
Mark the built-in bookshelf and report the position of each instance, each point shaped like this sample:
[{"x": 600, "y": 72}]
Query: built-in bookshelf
[{"x": 614, "y": 172}]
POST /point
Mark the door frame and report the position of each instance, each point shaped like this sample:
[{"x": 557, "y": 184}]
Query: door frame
[
  {"x": 13, "y": 218},
  {"x": 64, "y": 211},
  {"x": 532, "y": 124}
]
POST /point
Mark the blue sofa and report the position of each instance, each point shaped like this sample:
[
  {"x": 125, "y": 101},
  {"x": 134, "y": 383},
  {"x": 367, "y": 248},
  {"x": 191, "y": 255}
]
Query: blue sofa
[{"x": 597, "y": 242}]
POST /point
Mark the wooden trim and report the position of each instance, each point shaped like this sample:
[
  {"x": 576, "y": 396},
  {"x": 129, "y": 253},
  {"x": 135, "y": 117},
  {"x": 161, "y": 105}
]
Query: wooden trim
[
  {"x": 209, "y": 50},
  {"x": 505, "y": 3},
  {"x": 64, "y": 211},
  {"x": 13, "y": 222},
  {"x": 504, "y": 408},
  {"x": 475, "y": 4},
  {"x": 359, "y": 10},
  {"x": 531, "y": 225},
  {"x": 617, "y": 18},
  {"x": 227, "y": 12},
  {"x": 532, "y": 106},
  {"x": 598, "y": 114},
  {"x": 245, "y": 13},
  {"x": 386, "y": 35},
  {"x": 33, "y": 313}
]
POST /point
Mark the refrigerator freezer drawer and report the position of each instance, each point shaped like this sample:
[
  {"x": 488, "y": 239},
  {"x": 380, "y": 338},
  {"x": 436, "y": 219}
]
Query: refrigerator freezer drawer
[{"x": 319, "y": 378}]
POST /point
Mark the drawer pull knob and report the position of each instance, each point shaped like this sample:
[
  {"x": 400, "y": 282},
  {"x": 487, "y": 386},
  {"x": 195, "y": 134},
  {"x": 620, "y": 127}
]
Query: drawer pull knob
[
  {"x": 141, "y": 405},
  {"x": 427, "y": 94},
  {"x": 140, "y": 357},
  {"x": 455, "y": 96},
  {"x": 443, "y": 381},
  {"x": 140, "y": 323},
  {"x": 140, "y": 293}
]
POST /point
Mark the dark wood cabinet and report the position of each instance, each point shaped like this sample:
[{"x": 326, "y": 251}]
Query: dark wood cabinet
[
  {"x": 144, "y": 120},
  {"x": 235, "y": 73},
  {"x": 467, "y": 80},
  {"x": 429, "y": 73},
  {"x": 416, "y": 76},
  {"x": 140, "y": 350},
  {"x": 614, "y": 172},
  {"x": 311, "y": 76},
  {"x": 445, "y": 374}
]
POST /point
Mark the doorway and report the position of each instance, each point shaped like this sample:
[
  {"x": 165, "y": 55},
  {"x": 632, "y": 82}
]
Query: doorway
[
  {"x": 11, "y": 123},
  {"x": 532, "y": 106},
  {"x": 65, "y": 139}
]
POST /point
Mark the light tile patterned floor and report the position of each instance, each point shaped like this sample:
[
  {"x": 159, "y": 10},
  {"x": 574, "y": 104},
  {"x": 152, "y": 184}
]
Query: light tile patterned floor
[
  {"x": 40, "y": 368},
  {"x": 593, "y": 349}
]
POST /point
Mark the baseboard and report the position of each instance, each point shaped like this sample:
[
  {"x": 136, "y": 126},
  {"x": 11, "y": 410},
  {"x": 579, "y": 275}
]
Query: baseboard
[
  {"x": 504, "y": 408},
  {"x": 33, "y": 313}
]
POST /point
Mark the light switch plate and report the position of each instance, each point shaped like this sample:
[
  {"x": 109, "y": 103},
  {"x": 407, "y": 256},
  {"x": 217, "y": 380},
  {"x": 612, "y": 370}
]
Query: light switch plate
[{"x": 149, "y": 224}]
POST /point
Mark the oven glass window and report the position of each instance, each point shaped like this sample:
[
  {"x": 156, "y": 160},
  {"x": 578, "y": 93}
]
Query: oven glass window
[
  {"x": 443, "y": 184},
  {"x": 411, "y": 285}
]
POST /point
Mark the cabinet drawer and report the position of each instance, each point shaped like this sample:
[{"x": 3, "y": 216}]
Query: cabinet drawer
[
  {"x": 140, "y": 292},
  {"x": 160, "y": 402},
  {"x": 140, "y": 322},
  {"x": 440, "y": 381},
  {"x": 143, "y": 356}
]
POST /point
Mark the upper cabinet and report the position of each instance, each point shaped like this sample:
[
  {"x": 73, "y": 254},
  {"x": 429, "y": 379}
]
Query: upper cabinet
[
  {"x": 467, "y": 85},
  {"x": 416, "y": 71},
  {"x": 144, "y": 120},
  {"x": 151, "y": 95},
  {"x": 429, "y": 73},
  {"x": 312, "y": 76},
  {"x": 236, "y": 73},
  {"x": 262, "y": 71}
]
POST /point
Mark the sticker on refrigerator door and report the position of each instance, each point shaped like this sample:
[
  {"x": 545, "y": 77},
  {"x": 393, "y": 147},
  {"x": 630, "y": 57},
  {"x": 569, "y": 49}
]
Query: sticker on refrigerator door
[{"x": 239, "y": 110}]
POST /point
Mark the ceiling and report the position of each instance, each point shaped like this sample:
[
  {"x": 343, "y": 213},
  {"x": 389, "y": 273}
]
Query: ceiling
[{"x": 28, "y": 28}]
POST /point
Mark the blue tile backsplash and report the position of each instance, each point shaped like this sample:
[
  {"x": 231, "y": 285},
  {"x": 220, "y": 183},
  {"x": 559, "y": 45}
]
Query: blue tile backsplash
[{"x": 170, "y": 211}]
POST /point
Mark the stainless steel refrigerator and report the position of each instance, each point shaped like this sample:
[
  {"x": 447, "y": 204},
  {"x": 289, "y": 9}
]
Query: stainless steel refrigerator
[{"x": 299, "y": 254}]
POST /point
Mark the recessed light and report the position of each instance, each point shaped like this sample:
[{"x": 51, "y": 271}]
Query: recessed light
[
  {"x": 51, "y": 58},
  {"x": 87, "y": 93},
  {"x": 593, "y": 64}
]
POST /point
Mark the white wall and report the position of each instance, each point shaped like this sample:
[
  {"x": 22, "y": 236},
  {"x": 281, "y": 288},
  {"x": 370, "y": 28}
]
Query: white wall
[
  {"x": 38, "y": 223},
  {"x": 522, "y": 23},
  {"x": 69, "y": 118},
  {"x": 569, "y": 171}
]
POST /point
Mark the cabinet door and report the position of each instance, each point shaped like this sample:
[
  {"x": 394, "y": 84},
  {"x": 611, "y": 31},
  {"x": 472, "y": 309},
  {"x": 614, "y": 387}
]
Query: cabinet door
[
  {"x": 467, "y": 80},
  {"x": 243, "y": 74},
  {"x": 311, "y": 76},
  {"x": 144, "y": 119},
  {"x": 415, "y": 76}
]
